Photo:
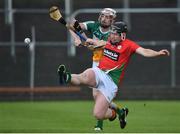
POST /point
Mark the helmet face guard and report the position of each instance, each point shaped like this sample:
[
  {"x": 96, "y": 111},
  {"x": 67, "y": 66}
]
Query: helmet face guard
[{"x": 108, "y": 12}]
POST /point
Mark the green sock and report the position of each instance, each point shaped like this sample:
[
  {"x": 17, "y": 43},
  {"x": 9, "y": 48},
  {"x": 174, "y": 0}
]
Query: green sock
[
  {"x": 68, "y": 77},
  {"x": 120, "y": 112},
  {"x": 99, "y": 123}
]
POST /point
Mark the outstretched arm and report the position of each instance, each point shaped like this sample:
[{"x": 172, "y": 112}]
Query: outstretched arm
[{"x": 151, "y": 53}]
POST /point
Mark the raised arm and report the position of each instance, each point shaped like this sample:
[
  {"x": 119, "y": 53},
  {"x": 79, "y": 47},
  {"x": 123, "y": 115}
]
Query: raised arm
[
  {"x": 78, "y": 27},
  {"x": 152, "y": 53},
  {"x": 76, "y": 39}
]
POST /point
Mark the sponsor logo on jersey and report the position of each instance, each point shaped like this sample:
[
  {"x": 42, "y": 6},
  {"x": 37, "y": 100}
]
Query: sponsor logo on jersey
[{"x": 111, "y": 54}]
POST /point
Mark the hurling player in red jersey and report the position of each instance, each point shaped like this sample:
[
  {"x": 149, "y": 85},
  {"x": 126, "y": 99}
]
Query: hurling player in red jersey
[{"x": 107, "y": 76}]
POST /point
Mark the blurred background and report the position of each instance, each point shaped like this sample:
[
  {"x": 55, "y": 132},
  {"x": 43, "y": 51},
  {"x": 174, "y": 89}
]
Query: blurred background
[{"x": 30, "y": 74}]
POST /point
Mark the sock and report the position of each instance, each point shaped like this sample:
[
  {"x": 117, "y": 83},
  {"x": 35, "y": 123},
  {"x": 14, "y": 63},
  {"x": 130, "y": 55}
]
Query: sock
[
  {"x": 99, "y": 124},
  {"x": 68, "y": 77},
  {"x": 120, "y": 112},
  {"x": 115, "y": 106}
]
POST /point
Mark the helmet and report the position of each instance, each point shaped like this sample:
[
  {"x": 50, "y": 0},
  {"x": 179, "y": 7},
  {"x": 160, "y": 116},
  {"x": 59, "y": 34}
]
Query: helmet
[
  {"x": 109, "y": 11},
  {"x": 119, "y": 27}
]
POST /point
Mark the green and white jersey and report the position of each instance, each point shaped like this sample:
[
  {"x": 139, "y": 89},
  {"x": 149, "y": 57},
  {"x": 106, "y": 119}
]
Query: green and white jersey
[{"x": 95, "y": 29}]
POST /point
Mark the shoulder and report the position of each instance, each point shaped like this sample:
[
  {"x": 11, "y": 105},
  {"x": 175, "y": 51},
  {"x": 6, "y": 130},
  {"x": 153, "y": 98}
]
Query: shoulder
[
  {"x": 130, "y": 42},
  {"x": 132, "y": 45},
  {"x": 91, "y": 24}
]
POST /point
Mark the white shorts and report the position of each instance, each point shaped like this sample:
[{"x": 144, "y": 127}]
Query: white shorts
[
  {"x": 105, "y": 84},
  {"x": 95, "y": 64}
]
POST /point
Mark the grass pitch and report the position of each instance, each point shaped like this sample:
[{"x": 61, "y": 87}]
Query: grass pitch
[{"x": 76, "y": 116}]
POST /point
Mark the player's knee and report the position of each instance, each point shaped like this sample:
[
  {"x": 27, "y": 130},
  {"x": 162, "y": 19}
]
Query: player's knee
[
  {"x": 88, "y": 77},
  {"x": 84, "y": 78},
  {"x": 98, "y": 115}
]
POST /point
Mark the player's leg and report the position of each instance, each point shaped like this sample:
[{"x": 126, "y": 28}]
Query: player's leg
[
  {"x": 88, "y": 78},
  {"x": 119, "y": 108},
  {"x": 99, "y": 123},
  {"x": 122, "y": 113},
  {"x": 64, "y": 75},
  {"x": 101, "y": 108},
  {"x": 107, "y": 91},
  {"x": 85, "y": 78},
  {"x": 108, "y": 88},
  {"x": 115, "y": 106}
]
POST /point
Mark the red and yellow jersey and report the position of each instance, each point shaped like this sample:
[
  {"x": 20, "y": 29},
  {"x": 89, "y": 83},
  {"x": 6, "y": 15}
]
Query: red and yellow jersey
[{"x": 116, "y": 58}]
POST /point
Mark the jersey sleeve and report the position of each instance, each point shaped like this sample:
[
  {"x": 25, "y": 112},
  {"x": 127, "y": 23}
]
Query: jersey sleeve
[
  {"x": 134, "y": 46},
  {"x": 89, "y": 25}
]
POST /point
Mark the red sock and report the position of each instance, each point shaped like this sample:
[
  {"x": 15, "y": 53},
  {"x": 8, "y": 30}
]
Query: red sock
[{"x": 113, "y": 116}]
